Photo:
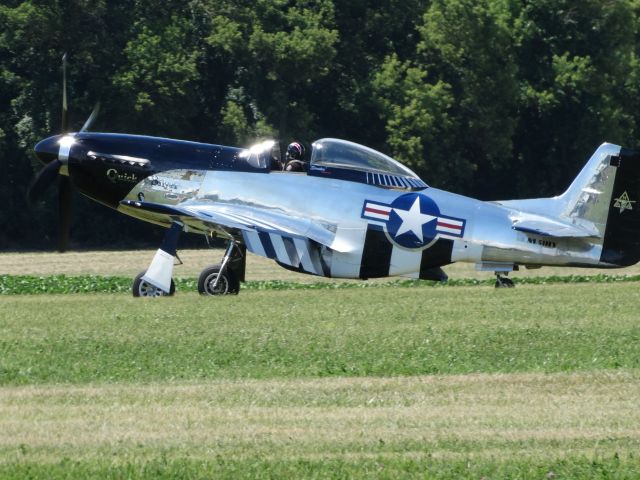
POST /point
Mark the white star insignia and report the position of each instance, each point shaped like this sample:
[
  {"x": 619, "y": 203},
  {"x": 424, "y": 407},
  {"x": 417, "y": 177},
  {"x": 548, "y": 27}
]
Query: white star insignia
[
  {"x": 413, "y": 220},
  {"x": 623, "y": 202}
]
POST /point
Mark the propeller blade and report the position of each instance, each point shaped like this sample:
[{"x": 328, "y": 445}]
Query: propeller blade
[
  {"x": 46, "y": 176},
  {"x": 43, "y": 180},
  {"x": 64, "y": 184},
  {"x": 64, "y": 213},
  {"x": 65, "y": 110},
  {"x": 91, "y": 119}
]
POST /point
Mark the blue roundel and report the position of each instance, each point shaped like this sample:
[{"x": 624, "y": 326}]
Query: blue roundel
[{"x": 413, "y": 220}]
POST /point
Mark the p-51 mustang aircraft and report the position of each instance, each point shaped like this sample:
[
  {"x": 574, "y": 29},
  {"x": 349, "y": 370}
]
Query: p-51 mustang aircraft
[{"x": 354, "y": 213}]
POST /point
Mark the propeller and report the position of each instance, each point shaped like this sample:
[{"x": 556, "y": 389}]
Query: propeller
[
  {"x": 45, "y": 177},
  {"x": 54, "y": 153},
  {"x": 91, "y": 119},
  {"x": 65, "y": 111}
]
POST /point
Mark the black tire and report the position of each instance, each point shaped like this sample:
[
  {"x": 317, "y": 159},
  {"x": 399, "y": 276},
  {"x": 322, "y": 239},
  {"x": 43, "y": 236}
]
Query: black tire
[
  {"x": 140, "y": 288},
  {"x": 228, "y": 284},
  {"x": 504, "y": 283}
]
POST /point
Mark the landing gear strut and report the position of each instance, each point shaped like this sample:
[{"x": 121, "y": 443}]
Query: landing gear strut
[
  {"x": 220, "y": 279},
  {"x": 156, "y": 280},
  {"x": 503, "y": 281}
]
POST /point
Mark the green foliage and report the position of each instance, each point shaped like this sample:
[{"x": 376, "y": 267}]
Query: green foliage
[
  {"x": 417, "y": 113},
  {"x": 495, "y": 98},
  {"x": 464, "y": 65},
  {"x": 234, "y": 123},
  {"x": 576, "y": 93},
  {"x": 63, "y": 284},
  {"x": 278, "y": 51},
  {"x": 160, "y": 73}
]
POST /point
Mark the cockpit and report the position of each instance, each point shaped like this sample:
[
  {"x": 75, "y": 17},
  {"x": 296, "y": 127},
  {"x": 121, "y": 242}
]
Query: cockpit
[
  {"x": 331, "y": 157},
  {"x": 339, "y": 159},
  {"x": 332, "y": 152}
]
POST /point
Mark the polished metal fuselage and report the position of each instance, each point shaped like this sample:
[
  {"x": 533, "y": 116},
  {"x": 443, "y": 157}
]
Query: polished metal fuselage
[{"x": 489, "y": 237}]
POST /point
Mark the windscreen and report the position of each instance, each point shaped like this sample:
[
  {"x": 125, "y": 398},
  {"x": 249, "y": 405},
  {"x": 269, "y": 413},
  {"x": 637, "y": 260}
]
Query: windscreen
[{"x": 344, "y": 154}]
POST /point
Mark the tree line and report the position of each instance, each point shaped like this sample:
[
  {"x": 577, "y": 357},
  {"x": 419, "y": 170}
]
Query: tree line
[{"x": 490, "y": 98}]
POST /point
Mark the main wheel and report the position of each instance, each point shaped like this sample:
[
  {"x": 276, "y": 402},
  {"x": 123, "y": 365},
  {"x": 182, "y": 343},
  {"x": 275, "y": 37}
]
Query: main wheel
[
  {"x": 141, "y": 288},
  {"x": 227, "y": 284}
]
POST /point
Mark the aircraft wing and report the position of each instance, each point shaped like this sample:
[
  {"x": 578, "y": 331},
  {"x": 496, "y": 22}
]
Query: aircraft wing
[
  {"x": 550, "y": 227},
  {"x": 292, "y": 241}
]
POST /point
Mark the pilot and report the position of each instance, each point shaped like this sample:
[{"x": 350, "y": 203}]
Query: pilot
[{"x": 295, "y": 158}]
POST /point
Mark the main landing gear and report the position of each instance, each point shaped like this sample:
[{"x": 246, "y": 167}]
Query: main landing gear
[
  {"x": 220, "y": 279},
  {"x": 503, "y": 281},
  {"x": 142, "y": 288}
]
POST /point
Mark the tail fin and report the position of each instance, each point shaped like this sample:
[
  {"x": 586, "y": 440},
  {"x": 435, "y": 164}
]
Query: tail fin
[
  {"x": 606, "y": 193},
  {"x": 603, "y": 198},
  {"x": 588, "y": 197}
]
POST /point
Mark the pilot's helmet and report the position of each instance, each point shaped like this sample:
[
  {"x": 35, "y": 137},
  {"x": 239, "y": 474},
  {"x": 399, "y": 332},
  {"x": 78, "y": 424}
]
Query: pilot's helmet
[{"x": 295, "y": 151}]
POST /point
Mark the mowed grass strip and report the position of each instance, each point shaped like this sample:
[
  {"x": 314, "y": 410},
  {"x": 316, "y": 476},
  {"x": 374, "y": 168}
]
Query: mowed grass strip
[
  {"x": 270, "y": 334},
  {"x": 128, "y": 263},
  {"x": 379, "y": 467},
  {"x": 538, "y": 417}
]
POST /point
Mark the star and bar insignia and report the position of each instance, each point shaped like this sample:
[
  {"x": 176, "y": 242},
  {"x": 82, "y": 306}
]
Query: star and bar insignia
[{"x": 413, "y": 220}]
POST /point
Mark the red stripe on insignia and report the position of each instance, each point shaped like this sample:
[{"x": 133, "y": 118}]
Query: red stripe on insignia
[
  {"x": 449, "y": 225},
  {"x": 373, "y": 210}
]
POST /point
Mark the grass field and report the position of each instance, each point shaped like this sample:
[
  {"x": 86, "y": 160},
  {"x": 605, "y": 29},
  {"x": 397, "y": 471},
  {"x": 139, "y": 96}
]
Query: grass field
[
  {"x": 542, "y": 381},
  {"x": 130, "y": 263}
]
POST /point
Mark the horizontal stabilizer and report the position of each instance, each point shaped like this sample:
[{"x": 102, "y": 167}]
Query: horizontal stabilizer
[{"x": 548, "y": 227}]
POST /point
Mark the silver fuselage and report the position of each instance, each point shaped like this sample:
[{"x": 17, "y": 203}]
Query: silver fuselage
[{"x": 488, "y": 239}]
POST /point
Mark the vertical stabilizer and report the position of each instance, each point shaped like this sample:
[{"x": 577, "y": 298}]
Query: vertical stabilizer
[
  {"x": 587, "y": 199},
  {"x": 606, "y": 194},
  {"x": 586, "y": 202}
]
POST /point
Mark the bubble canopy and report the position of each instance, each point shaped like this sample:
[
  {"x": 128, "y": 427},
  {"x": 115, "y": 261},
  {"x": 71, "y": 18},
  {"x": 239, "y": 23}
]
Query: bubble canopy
[{"x": 333, "y": 152}]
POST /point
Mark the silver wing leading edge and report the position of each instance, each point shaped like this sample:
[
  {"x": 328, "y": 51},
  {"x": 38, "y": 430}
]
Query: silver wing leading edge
[{"x": 299, "y": 243}]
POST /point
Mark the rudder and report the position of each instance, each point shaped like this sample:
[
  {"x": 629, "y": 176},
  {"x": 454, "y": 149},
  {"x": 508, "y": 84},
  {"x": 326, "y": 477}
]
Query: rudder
[{"x": 621, "y": 244}]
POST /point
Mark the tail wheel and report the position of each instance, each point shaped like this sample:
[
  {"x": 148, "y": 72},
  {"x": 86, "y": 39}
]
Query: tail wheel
[
  {"x": 142, "y": 288},
  {"x": 503, "y": 282},
  {"x": 214, "y": 282}
]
